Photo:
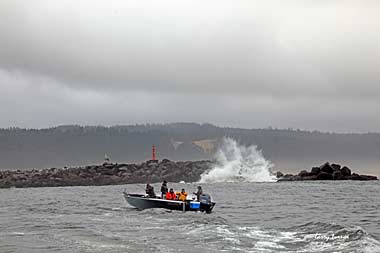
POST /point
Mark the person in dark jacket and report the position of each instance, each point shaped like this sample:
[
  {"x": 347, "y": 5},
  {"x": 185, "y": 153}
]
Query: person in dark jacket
[
  {"x": 199, "y": 192},
  {"x": 164, "y": 189},
  {"x": 150, "y": 191}
]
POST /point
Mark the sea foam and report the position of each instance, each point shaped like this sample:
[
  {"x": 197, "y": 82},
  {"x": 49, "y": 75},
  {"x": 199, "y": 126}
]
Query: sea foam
[{"x": 238, "y": 163}]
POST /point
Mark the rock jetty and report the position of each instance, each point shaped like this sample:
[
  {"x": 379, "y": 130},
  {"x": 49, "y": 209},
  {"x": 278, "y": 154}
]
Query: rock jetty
[
  {"x": 106, "y": 174},
  {"x": 325, "y": 172}
]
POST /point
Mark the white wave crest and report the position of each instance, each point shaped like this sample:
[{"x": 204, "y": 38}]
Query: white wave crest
[{"x": 238, "y": 163}]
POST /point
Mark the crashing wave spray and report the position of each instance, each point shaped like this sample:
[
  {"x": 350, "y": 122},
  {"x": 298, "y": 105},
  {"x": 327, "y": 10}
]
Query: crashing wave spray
[{"x": 238, "y": 163}]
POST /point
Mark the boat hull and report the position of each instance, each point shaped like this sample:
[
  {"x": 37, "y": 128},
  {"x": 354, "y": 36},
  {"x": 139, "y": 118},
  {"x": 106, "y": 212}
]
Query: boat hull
[{"x": 142, "y": 202}]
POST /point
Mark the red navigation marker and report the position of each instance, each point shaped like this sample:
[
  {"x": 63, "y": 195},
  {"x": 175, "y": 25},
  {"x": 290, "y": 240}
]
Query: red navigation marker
[{"x": 154, "y": 153}]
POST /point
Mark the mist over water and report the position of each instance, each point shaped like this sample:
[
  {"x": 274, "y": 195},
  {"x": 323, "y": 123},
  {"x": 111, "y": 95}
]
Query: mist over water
[{"x": 239, "y": 163}]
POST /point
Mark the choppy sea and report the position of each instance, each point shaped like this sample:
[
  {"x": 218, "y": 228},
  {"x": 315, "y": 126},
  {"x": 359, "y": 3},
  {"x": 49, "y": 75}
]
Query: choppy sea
[{"x": 248, "y": 217}]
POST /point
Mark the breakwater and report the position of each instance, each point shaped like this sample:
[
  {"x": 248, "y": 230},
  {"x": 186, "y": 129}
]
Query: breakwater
[
  {"x": 151, "y": 172},
  {"x": 326, "y": 171},
  {"x": 106, "y": 174}
]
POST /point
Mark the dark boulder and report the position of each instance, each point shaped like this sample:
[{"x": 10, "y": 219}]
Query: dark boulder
[
  {"x": 335, "y": 166},
  {"x": 367, "y": 177},
  {"x": 106, "y": 170},
  {"x": 358, "y": 177},
  {"x": 327, "y": 168},
  {"x": 325, "y": 172},
  {"x": 324, "y": 176},
  {"x": 133, "y": 167},
  {"x": 354, "y": 176},
  {"x": 337, "y": 175},
  {"x": 287, "y": 177},
  {"x": 121, "y": 165},
  {"x": 304, "y": 173},
  {"x": 315, "y": 171},
  {"x": 311, "y": 177},
  {"x": 279, "y": 174},
  {"x": 109, "y": 165},
  {"x": 345, "y": 171},
  {"x": 152, "y": 162},
  {"x": 115, "y": 171},
  {"x": 297, "y": 178}
]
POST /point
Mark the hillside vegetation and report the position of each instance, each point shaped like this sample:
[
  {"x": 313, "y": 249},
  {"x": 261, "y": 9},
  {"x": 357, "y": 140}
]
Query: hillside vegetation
[{"x": 290, "y": 150}]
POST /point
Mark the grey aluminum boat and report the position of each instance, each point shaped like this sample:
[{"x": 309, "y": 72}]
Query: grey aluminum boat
[{"x": 143, "y": 202}]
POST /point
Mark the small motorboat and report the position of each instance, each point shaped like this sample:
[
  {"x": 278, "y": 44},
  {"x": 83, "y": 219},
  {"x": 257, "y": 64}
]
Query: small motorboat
[{"x": 144, "y": 202}]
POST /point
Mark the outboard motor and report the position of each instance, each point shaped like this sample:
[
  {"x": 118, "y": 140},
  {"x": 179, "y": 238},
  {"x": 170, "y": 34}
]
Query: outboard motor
[{"x": 205, "y": 199}]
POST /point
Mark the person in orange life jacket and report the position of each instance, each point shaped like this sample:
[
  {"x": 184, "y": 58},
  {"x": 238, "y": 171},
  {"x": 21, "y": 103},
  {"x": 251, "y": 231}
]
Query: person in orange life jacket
[
  {"x": 171, "y": 195},
  {"x": 182, "y": 195}
]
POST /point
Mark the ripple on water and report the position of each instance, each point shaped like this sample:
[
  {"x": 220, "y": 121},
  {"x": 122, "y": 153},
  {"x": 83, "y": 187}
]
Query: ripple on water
[{"x": 248, "y": 218}]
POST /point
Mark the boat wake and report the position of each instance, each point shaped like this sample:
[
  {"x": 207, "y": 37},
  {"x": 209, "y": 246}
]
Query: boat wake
[
  {"x": 311, "y": 237},
  {"x": 238, "y": 163}
]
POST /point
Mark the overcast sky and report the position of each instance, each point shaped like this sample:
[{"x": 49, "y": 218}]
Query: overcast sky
[{"x": 309, "y": 64}]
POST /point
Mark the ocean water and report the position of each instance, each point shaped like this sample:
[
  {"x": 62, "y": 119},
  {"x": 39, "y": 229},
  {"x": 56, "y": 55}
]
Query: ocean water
[{"x": 248, "y": 217}]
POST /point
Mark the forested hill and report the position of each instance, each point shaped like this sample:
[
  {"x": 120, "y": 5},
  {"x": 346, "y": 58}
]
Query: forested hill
[{"x": 76, "y": 145}]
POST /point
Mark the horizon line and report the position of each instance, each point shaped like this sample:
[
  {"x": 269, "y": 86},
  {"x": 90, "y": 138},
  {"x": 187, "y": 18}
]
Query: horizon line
[{"x": 146, "y": 124}]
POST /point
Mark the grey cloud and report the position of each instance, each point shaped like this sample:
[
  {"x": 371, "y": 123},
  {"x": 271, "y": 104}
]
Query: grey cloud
[
  {"x": 280, "y": 63},
  {"x": 36, "y": 101}
]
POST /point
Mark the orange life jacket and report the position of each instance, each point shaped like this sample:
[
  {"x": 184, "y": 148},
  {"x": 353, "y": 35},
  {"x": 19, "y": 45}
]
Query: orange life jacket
[{"x": 182, "y": 196}]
